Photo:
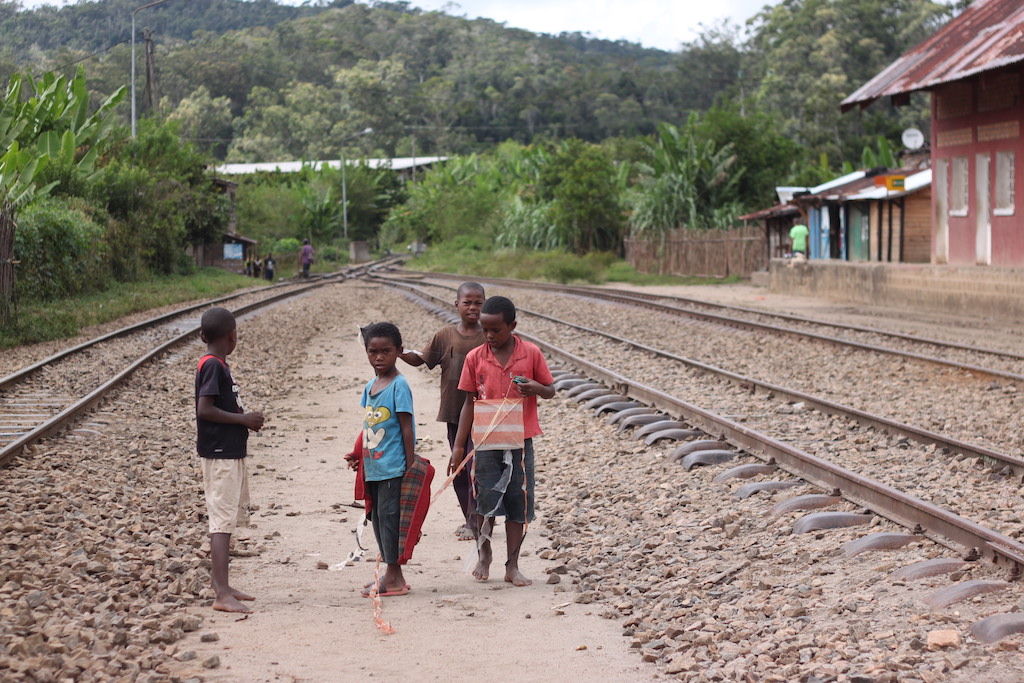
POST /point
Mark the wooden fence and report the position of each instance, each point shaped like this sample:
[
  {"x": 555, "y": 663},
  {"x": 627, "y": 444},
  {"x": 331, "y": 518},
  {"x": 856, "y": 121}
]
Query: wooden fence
[{"x": 700, "y": 253}]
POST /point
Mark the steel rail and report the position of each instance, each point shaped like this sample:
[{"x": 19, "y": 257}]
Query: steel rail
[
  {"x": 22, "y": 373},
  {"x": 941, "y": 525},
  {"x": 633, "y": 300},
  {"x": 827, "y": 323},
  {"x": 743, "y": 309},
  {"x": 880, "y": 422},
  {"x": 58, "y": 421}
]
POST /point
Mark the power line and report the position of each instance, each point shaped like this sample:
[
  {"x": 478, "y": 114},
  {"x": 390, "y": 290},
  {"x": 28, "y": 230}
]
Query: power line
[{"x": 89, "y": 56}]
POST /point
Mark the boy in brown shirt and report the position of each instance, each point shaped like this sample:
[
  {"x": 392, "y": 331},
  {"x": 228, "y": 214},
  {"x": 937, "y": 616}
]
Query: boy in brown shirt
[{"x": 449, "y": 348}]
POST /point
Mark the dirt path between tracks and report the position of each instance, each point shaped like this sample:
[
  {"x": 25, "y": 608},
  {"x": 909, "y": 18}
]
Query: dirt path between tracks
[{"x": 311, "y": 624}]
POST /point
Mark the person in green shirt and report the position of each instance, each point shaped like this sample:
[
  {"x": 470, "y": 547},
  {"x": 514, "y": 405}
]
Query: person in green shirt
[{"x": 798, "y": 234}]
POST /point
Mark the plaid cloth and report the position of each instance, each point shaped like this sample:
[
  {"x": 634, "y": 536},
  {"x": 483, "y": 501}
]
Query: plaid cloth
[
  {"x": 413, "y": 506},
  {"x": 414, "y": 501}
]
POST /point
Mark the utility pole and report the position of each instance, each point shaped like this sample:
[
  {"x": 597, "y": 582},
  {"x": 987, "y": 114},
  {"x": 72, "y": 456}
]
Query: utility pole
[
  {"x": 134, "y": 11},
  {"x": 152, "y": 92}
]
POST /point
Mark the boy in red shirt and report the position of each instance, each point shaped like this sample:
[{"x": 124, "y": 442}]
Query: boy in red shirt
[{"x": 506, "y": 367}]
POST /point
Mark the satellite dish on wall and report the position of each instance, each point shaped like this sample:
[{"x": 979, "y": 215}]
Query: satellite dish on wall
[{"x": 913, "y": 138}]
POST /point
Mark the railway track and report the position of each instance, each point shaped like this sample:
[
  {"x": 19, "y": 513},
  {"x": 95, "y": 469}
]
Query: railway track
[
  {"x": 963, "y": 406},
  {"x": 998, "y": 363},
  {"x": 44, "y": 397},
  {"x": 707, "y": 437},
  {"x": 104, "y": 552},
  {"x": 808, "y": 400}
]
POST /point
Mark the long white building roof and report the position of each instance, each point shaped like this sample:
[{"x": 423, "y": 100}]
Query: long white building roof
[{"x": 395, "y": 164}]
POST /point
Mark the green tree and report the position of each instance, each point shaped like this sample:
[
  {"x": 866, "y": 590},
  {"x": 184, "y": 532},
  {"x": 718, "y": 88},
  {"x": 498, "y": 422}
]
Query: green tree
[
  {"x": 161, "y": 196},
  {"x": 462, "y": 197},
  {"x": 205, "y": 121},
  {"x": 287, "y": 125},
  {"x": 760, "y": 148},
  {"x": 586, "y": 201},
  {"x": 811, "y": 54},
  {"x": 269, "y": 206},
  {"x": 710, "y": 67}
]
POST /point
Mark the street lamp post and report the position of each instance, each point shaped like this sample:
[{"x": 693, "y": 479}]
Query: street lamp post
[
  {"x": 158, "y": 2},
  {"x": 344, "y": 185}
]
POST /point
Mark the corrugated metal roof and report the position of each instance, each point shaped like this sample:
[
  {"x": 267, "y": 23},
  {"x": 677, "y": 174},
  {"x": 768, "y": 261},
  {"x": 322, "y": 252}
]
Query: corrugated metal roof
[
  {"x": 850, "y": 187},
  {"x": 396, "y": 164},
  {"x": 786, "y": 192},
  {"x": 911, "y": 184},
  {"x": 989, "y": 34},
  {"x": 771, "y": 212},
  {"x": 838, "y": 182}
]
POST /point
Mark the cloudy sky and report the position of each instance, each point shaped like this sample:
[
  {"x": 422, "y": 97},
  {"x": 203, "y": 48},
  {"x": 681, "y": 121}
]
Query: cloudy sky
[{"x": 653, "y": 23}]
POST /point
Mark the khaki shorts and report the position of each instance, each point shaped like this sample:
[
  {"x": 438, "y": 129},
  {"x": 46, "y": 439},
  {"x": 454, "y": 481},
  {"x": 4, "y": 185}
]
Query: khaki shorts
[{"x": 226, "y": 483}]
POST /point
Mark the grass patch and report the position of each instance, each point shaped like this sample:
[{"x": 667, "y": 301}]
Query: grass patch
[
  {"x": 46, "y": 321},
  {"x": 620, "y": 271},
  {"x": 477, "y": 259}
]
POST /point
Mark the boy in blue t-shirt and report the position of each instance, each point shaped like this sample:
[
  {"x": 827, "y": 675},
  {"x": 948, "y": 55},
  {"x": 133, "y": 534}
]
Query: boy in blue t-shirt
[{"x": 389, "y": 441}]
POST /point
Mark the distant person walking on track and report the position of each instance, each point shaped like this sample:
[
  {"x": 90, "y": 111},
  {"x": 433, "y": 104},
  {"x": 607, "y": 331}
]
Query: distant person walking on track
[
  {"x": 386, "y": 455},
  {"x": 798, "y": 234},
  {"x": 503, "y": 377},
  {"x": 448, "y": 348},
  {"x": 306, "y": 257},
  {"x": 222, "y": 427},
  {"x": 269, "y": 265}
]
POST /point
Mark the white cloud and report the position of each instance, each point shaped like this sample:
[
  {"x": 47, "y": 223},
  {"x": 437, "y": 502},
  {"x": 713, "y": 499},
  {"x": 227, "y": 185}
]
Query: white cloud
[{"x": 652, "y": 23}]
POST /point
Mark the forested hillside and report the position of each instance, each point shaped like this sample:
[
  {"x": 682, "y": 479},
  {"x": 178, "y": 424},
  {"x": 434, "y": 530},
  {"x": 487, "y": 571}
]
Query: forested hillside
[
  {"x": 562, "y": 145},
  {"x": 96, "y": 25},
  {"x": 257, "y": 81}
]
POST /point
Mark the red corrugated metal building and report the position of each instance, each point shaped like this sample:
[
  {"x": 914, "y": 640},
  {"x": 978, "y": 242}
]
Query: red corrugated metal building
[{"x": 973, "y": 68}]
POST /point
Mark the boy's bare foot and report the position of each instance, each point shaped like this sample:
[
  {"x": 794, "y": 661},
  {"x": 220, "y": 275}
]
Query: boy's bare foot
[
  {"x": 239, "y": 595},
  {"x": 482, "y": 571},
  {"x": 229, "y": 603},
  {"x": 516, "y": 578},
  {"x": 383, "y": 590},
  {"x": 464, "y": 533}
]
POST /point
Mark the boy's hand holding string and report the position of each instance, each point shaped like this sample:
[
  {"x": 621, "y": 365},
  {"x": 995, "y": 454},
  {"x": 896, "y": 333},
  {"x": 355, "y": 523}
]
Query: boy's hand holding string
[{"x": 531, "y": 387}]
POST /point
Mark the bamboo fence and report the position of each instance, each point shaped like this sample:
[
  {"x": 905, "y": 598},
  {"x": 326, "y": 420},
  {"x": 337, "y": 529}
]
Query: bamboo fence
[{"x": 700, "y": 253}]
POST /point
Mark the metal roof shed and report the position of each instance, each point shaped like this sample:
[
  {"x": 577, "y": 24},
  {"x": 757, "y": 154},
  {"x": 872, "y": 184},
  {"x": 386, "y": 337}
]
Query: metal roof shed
[{"x": 988, "y": 35}]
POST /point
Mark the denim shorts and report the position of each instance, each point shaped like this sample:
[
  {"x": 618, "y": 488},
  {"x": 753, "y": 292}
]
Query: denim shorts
[
  {"x": 385, "y": 515},
  {"x": 503, "y": 483}
]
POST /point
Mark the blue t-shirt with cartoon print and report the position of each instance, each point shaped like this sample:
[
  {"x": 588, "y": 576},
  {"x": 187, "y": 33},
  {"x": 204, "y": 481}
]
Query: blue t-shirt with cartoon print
[{"x": 383, "y": 450}]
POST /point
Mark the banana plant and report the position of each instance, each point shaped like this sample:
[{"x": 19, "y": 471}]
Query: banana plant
[{"x": 52, "y": 125}]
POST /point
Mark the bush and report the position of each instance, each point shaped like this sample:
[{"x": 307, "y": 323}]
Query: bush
[
  {"x": 565, "y": 268},
  {"x": 61, "y": 249},
  {"x": 331, "y": 253},
  {"x": 158, "y": 189}
]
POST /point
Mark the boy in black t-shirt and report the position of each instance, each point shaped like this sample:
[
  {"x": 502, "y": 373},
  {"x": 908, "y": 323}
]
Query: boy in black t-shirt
[{"x": 223, "y": 430}]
